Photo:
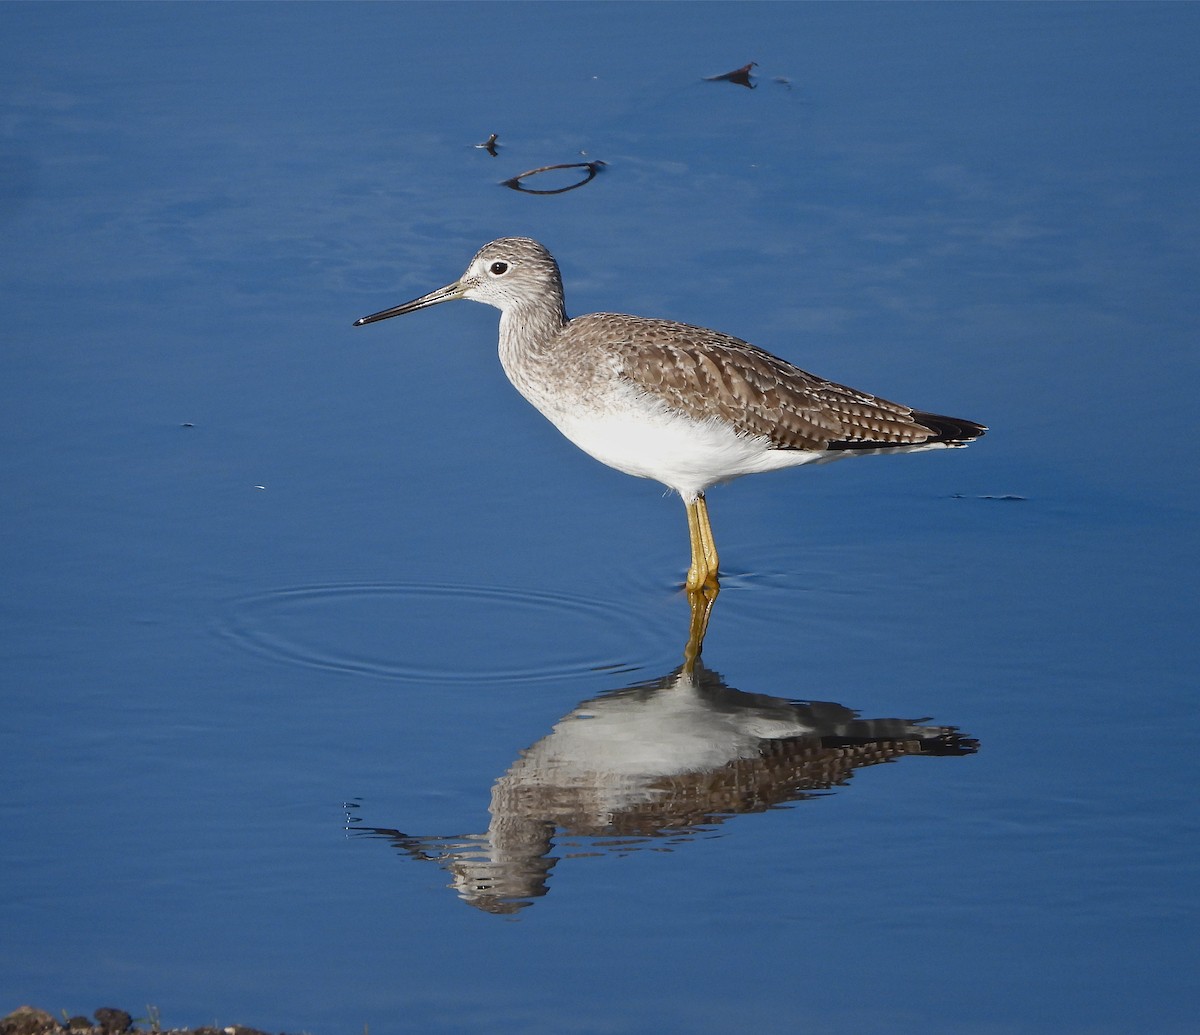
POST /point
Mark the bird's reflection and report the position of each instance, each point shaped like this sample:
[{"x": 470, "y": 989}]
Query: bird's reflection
[{"x": 661, "y": 759}]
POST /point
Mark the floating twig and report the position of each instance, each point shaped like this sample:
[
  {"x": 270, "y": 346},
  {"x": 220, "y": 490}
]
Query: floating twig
[{"x": 592, "y": 169}]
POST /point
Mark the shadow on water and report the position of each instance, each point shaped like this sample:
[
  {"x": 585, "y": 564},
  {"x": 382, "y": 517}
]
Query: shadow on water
[{"x": 659, "y": 761}]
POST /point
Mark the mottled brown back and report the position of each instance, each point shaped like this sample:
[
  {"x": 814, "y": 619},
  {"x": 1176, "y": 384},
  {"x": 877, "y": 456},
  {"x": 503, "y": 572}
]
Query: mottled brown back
[{"x": 705, "y": 374}]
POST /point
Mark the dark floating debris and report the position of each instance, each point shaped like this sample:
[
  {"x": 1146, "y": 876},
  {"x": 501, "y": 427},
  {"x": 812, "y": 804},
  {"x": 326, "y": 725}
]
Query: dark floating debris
[
  {"x": 592, "y": 169},
  {"x": 490, "y": 145},
  {"x": 741, "y": 76},
  {"x": 1007, "y": 498}
]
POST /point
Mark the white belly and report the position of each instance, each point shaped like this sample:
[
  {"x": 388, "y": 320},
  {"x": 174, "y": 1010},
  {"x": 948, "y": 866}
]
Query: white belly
[{"x": 647, "y": 440}]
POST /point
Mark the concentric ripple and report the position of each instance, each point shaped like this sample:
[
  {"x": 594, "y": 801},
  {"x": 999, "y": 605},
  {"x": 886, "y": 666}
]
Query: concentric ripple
[{"x": 442, "y": 633}]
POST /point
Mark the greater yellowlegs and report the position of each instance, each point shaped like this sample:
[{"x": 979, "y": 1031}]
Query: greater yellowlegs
[{"x": 684, "y": 405}]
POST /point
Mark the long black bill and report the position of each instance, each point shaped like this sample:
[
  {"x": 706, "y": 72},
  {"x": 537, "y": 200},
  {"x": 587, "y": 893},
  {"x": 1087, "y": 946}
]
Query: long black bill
[{"x": 445, "y": 294}]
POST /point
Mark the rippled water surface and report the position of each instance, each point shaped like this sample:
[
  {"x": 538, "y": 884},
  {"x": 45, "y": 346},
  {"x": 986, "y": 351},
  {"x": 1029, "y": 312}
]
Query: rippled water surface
[{"x": 339, "y": 690}]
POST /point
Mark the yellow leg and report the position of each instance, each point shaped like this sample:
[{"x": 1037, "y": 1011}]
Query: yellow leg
[
  {"x": 702, "y": 585},
  {"x": 698, "y": 572},
  {"x": 707, "y": 540},
  {"x": 703, "y": 570}
]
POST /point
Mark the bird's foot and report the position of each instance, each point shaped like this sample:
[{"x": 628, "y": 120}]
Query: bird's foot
[{"x": 702, "y": 580}]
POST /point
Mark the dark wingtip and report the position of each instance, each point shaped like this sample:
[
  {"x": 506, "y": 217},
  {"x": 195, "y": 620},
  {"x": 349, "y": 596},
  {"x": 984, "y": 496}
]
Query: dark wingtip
[
  {"x": 950, "y": 429},
  {"x": 359, "y": 322}
]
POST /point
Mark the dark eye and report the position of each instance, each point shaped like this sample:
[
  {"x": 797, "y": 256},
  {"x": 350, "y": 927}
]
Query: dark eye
[{"x": 499, "y": 268}]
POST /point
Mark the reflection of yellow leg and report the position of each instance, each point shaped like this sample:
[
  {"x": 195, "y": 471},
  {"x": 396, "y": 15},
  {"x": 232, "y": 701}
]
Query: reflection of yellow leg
[{"x": 701, "y": 602}]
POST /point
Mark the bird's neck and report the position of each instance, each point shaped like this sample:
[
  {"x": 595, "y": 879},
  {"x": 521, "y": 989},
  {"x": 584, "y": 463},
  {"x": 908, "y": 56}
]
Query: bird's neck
[
  {"x": 528, "y": 352},
  {"x": 530, "y": 331}
]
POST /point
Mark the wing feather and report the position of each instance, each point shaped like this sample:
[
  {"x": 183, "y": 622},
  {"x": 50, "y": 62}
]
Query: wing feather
[{"x": 708, "y": 375}]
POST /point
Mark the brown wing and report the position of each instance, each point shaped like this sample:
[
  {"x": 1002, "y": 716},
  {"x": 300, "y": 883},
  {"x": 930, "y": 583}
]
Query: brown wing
[{"x": 709, "y": 375}]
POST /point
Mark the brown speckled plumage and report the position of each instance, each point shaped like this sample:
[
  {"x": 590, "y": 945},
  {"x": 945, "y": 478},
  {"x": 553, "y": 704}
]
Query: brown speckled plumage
[{"x": 705, "y": 374}]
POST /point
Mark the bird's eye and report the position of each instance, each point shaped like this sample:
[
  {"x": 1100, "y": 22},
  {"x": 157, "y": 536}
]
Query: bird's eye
[{"x": 498, "y": 268}]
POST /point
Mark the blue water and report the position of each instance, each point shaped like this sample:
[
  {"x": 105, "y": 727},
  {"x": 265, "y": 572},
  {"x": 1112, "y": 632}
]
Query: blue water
[{"x": 284, "y": 600}]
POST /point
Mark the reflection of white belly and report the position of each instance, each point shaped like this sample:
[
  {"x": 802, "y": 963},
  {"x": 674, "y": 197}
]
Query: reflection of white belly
[
  {"x": 612, "y": 752},
  {"x": 672, "y": 732},
  {"x": 647, "y": 440}
]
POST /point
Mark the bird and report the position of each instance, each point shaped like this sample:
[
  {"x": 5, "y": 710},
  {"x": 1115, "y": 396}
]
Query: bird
[{"x": 686, "y": 406}]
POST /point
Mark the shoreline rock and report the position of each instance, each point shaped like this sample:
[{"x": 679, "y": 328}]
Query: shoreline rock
[{"x": 29, "y": 1020}]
